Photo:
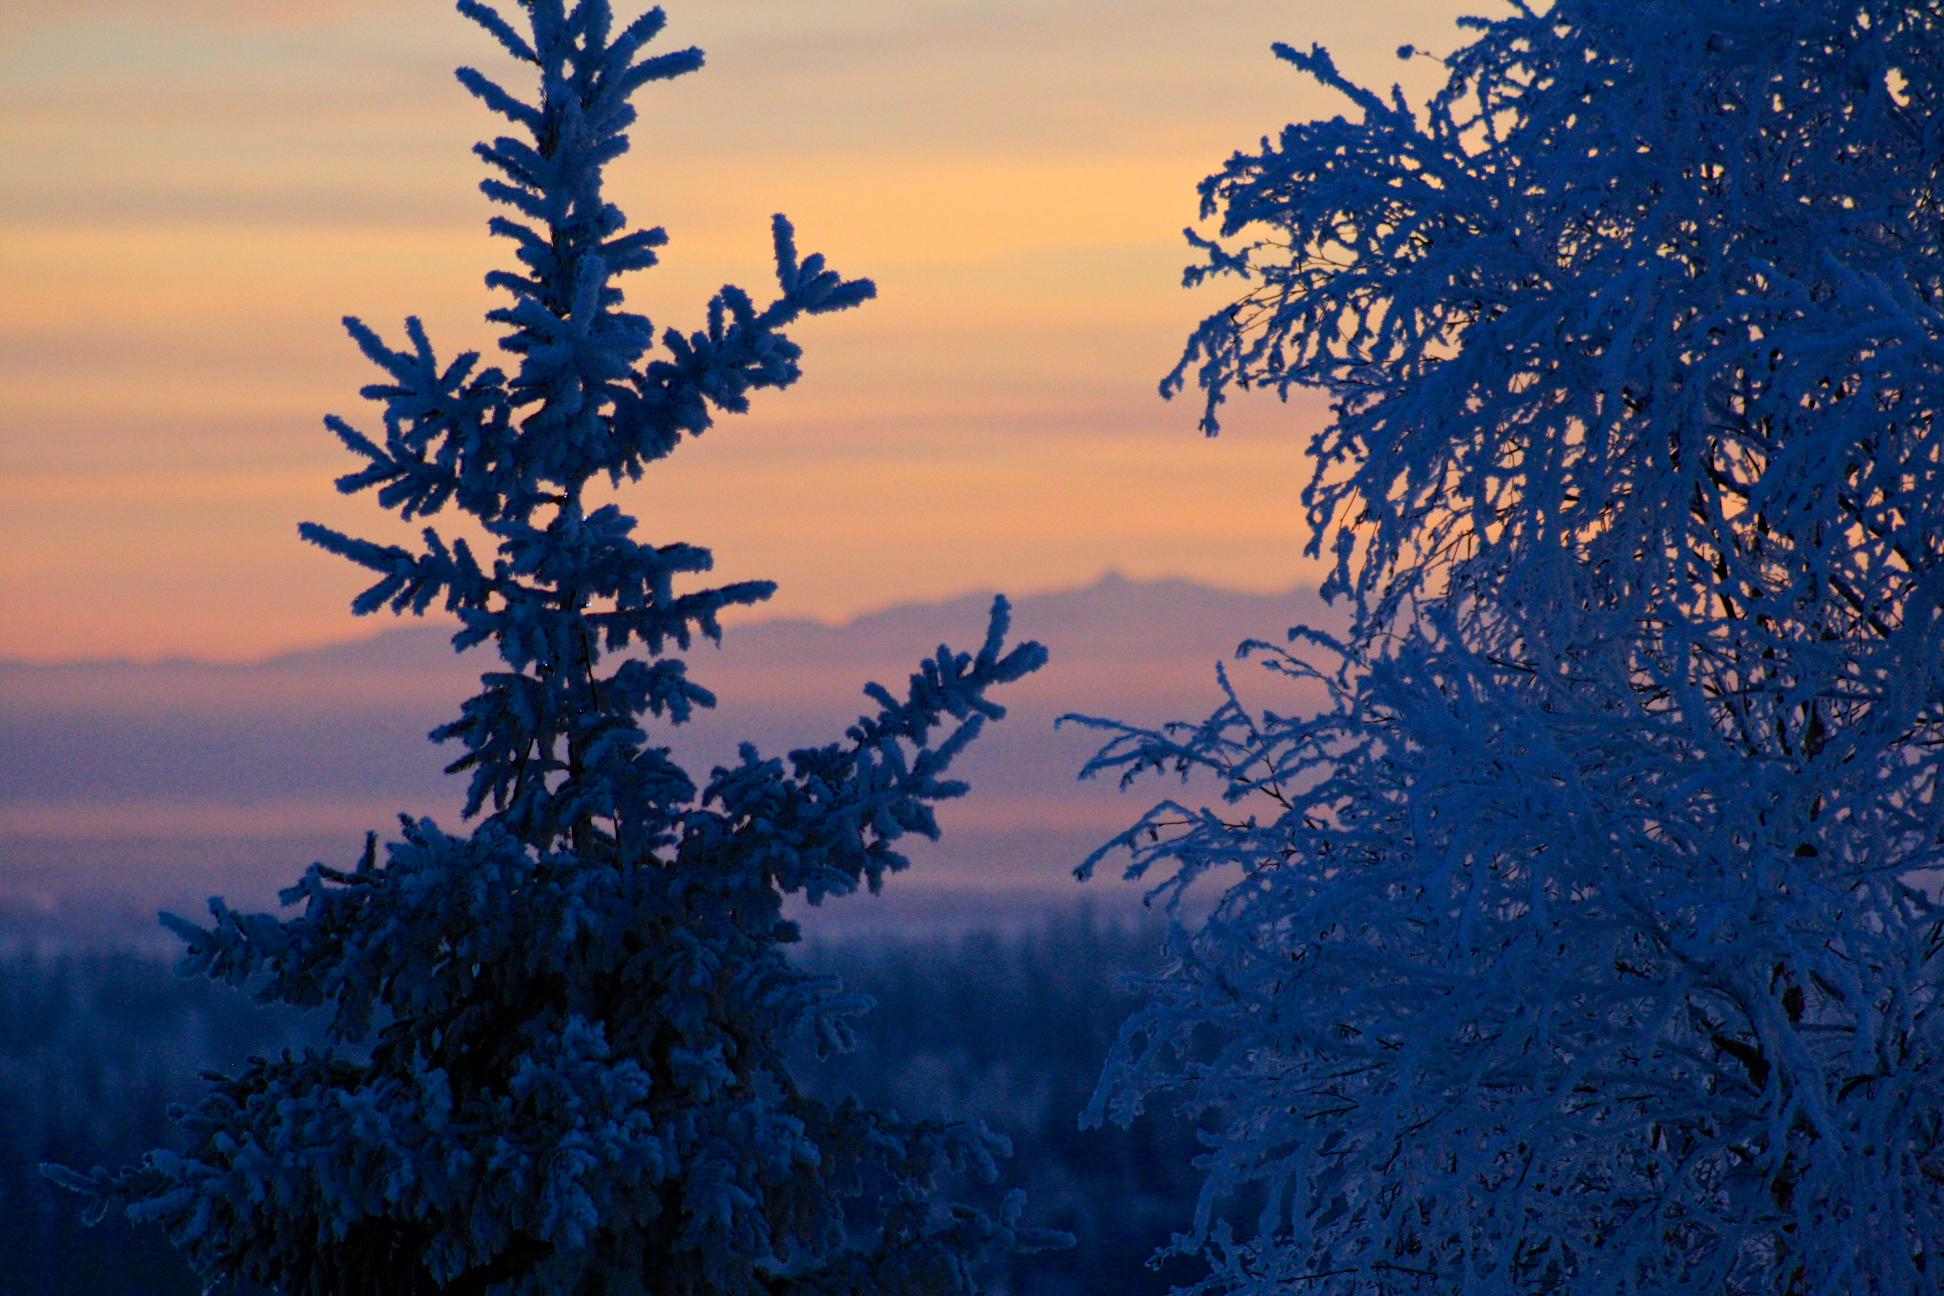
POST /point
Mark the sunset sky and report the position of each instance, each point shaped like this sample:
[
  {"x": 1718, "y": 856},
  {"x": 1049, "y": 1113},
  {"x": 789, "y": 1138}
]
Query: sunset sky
[{"x": 197, "y": 190}]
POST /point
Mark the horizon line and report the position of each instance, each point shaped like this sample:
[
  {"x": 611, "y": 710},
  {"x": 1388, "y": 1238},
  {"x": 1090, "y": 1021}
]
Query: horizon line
[{"x": 737, "y": 618}]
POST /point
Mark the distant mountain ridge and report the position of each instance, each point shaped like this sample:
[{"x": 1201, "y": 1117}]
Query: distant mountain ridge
[
  {"x": 1169, "y": 608},
  {"x": 132, "y": 784}
]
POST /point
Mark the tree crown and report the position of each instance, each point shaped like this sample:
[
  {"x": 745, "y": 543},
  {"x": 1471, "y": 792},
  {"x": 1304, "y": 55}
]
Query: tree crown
[{"x": 559, "y": 1043}]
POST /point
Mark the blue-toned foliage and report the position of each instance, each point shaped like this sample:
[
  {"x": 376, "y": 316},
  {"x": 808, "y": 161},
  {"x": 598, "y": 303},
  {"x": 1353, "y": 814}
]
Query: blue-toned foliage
[
  {"x": 1587, "y": 942},
  {"x": 557, "y": 1044}
]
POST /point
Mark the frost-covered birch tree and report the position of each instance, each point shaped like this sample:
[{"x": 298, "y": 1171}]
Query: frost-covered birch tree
[
  {"x": 1586, "y": 941},
  {"x": 558, "y": 1041}
]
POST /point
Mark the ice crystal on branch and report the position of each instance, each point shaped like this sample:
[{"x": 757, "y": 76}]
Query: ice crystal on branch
[
  {"x": 1586, "y": 940},
  {"x": 558, "y": 1042}
]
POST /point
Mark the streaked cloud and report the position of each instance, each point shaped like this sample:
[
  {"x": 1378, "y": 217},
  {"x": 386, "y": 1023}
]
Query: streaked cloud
[
  {"x": 19, "y": 15},
  {"x": 198, "y": 189}
]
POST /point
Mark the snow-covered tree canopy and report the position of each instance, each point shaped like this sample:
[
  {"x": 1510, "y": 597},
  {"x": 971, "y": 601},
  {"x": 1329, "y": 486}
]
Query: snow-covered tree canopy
[
  {"x": 1582, "y": 944},
  {"x": 559, "y": 1041}
]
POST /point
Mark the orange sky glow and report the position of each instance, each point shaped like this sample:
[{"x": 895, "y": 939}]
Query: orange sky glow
[{"x": 199, "y": 189}]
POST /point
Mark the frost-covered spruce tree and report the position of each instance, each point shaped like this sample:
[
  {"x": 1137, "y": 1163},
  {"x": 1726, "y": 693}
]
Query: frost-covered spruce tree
[
  {"x": 557, "y": 1057},
  {"x": 1586, "y": 939}
]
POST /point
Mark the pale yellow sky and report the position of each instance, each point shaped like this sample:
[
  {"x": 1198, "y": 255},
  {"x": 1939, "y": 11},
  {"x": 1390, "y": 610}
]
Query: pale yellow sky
[{"x": 198, "y": 189}]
